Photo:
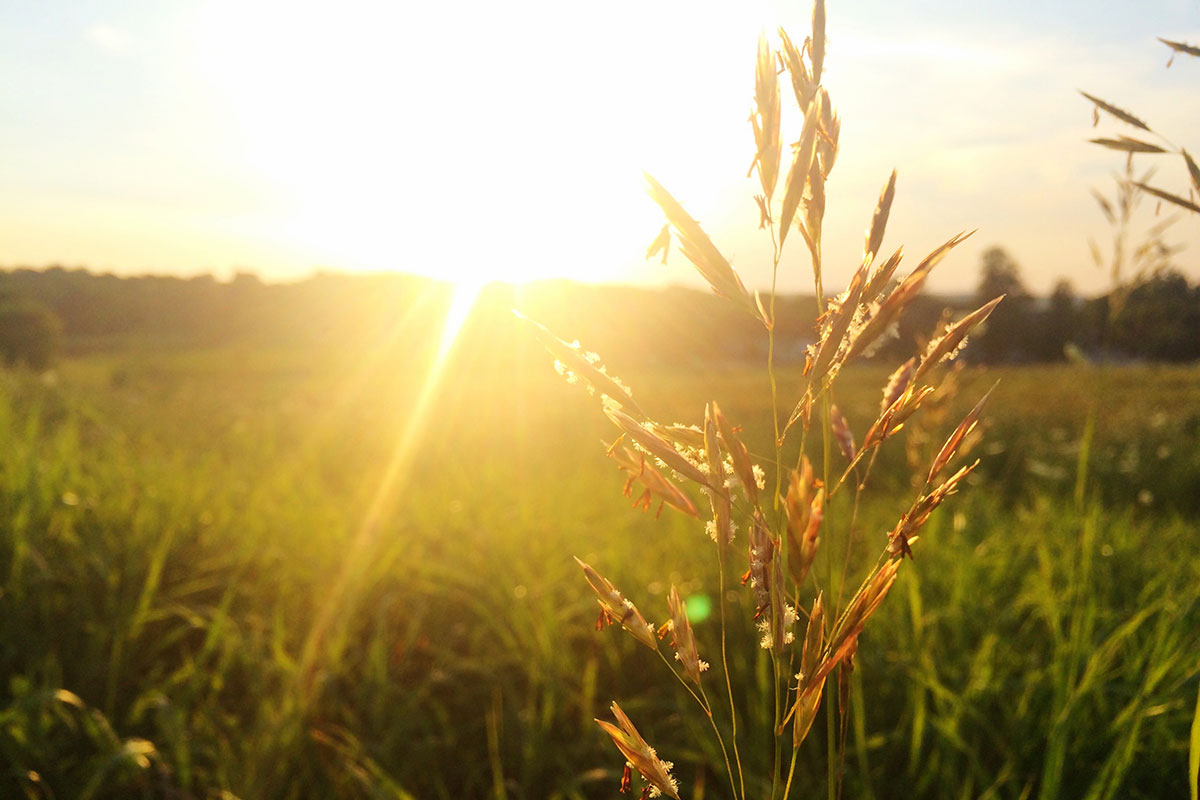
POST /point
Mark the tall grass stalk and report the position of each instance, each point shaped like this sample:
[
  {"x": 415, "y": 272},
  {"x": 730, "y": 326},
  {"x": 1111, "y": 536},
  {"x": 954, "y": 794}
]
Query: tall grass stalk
[{"x": 786, "y": 529}]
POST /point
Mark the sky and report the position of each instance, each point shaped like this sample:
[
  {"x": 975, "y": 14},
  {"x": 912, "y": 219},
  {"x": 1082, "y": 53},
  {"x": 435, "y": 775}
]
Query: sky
[{"x": 471, "y": 140}]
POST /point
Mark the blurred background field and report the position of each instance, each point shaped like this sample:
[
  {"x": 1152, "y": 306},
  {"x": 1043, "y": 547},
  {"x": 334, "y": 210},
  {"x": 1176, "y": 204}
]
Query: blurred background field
[{"x": 302, "y": 567}]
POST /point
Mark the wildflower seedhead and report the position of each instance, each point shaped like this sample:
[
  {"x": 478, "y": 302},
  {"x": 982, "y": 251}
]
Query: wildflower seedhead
[{"x": 640, "y": 755}]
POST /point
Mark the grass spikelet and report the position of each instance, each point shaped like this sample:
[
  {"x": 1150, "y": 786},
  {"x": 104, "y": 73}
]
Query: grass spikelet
[
  {"x": 831, "y": 129},
  {"x": 814, "y": 639},
  {"x": 860, "y": 608},
  {"x": 905, "y": 532},
  {"x": 1119, "y": 113},
  {"x": 963, "y": 430},
  {"x": 899, "y": 298},
  {"x": 765, "y": 120},
  {"x": 656, "y": 484},
  {"x": 842, "y": 433},
  {"x": 655, "y": 445},
  {"x": 947, "y": 345},
  {"x": 1170, "y": 198},
  {"x": 747, "y": 474},
  {"x": 879, "y": 221},
  {"x": 1127, "y": 144},
  {"x": 797, "y": 178},
  {"x": 803, "y": 85},
  {"x": 808, "y": 702},
  {"x": 661, "y": 244},
  {"x": 1180, "y": 47},
  {"x": 615, "y": 609},
  {"x": 640, "y": 755},
  {"x": 718, "y": 495},
  {"x": 804, "y": 514},
  {"x": 578, "y": 366},
  {"x": 835, "y": 326},
  {"x": 700, "y": 250},
  {"x": 898, "y": 382},
  {"x": 816, "y": 48},
  {"x": 682, "y": 638}
]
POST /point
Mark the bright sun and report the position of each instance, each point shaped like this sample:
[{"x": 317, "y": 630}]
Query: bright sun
[{"x": 467, "y": 141}]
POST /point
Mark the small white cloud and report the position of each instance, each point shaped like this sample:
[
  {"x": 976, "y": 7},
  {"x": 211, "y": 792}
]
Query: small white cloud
[{"x": 109, "y": 38}]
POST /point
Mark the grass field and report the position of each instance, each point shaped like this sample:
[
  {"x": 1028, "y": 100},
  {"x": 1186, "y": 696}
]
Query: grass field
[{"x": 274, "y": 574}]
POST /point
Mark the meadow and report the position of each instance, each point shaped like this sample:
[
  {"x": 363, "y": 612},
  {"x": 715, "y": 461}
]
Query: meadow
[{"x": 301, "y": 572}]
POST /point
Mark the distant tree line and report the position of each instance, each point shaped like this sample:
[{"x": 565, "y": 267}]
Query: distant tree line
[
  {"x": 44, "y": 310},
  {"x": 1156, "y": 320}
]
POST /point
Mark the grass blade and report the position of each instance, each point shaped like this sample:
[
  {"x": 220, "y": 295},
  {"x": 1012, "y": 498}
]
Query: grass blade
[{"x": 1194, "y": 753}]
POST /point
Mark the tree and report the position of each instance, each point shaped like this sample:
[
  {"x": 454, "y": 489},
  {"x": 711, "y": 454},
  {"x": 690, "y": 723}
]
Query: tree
[
  {"x": 1059, "y": 323},
  {"x": 30, "y": 333},
  {"x": 1008, "y": 334}
]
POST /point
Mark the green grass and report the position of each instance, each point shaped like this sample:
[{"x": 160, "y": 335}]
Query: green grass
[{"x": 172, "y": 526}]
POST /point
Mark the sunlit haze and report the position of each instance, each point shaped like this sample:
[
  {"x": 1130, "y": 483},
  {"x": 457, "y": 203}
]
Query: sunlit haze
[{"x": 480, "y": 141}]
